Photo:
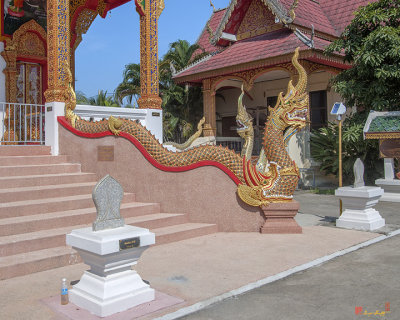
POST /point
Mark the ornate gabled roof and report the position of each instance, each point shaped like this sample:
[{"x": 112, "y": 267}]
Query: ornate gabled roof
[
  {"x": 236, "y": 11},
  {"x": 267, "y": 49},
  {"x": 253, "y": 30},
  {"x": 382, "y": 125}
]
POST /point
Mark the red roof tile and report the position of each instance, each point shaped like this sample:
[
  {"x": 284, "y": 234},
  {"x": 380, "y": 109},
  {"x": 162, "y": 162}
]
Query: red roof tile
[
  {"x": 341, "y": 12},
  {"x": 310, "y": 12},
  {"x": 269, "y": 45},
  {"x": 214, "y": 22},
  {"x": 328, "y": 16}
]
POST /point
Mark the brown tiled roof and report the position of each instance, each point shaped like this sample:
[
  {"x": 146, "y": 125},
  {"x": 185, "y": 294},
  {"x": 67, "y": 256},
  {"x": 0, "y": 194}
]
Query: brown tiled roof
[{"x": 273, "y": 44}]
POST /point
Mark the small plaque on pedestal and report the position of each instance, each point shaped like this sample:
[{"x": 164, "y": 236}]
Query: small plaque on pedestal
[{"x": 129, "y": 243}]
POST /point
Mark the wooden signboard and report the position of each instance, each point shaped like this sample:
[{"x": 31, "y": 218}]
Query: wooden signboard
[
  {"x": 105, "y": 153},
  {"x": 389, "y": 148}
]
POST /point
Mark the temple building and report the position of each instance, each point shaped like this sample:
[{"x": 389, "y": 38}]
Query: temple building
[
  {"x": 24, "y": 39},
  {"x": 251, "y": 42}
]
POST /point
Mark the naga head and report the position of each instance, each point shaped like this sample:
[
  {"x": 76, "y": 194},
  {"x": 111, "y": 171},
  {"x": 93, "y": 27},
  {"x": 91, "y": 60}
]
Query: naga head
[
  {"x": 245, "y": 128},
  {"x": 243, "y": 120},
  {"x": 291, "y": 112}
]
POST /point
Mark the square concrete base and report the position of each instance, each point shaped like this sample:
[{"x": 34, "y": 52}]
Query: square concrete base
[
  {"x": 391, "y": 189},
  {"x": 368, "y": 219},
  {"x": 280, "y": 218},
  {"x": 358, "y": 204},
  {"x": 104, "y": 296}
]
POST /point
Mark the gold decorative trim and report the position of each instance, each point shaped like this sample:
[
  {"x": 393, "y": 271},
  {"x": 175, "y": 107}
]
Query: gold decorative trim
[
  {"x": 382, "y": 135},
  {"x": 149, "y": 74},
  {"x": 60, "y": 82},
  {"x": 83, "y": 22},
  {"x": 28, "y": 42}
]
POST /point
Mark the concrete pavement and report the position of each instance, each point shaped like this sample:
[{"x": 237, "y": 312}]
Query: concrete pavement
[
  {"x": 207, "y": 267},
  {"x": 367, "y": 279}
]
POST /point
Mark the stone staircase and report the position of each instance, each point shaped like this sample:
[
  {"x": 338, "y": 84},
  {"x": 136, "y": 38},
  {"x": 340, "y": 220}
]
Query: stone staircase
[{"x": 43, "y": 197}]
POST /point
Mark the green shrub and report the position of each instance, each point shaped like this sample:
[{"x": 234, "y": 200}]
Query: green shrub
[{"x": 325, "y": 149}]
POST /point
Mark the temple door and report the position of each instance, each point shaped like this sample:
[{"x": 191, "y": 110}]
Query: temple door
[
  {"x": 30, "y": 97},
  {"x": 29, "y": 83}
]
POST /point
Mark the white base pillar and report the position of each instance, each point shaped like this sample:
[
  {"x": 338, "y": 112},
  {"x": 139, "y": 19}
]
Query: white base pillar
[
  {"x": 391, "y": 188},
  {"x": 53, "y": 110},
  {"x": 110, "y": 286},
  {"x": 105, "y": 296},
  {"x": 358, "y": 213}
]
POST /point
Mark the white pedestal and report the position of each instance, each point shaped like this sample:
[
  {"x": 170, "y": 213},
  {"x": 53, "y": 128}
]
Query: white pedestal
[
  {"x": 358, "y": 203},
  {"x": 391, "y": 188},
  {"x": 110, "y": 286}
]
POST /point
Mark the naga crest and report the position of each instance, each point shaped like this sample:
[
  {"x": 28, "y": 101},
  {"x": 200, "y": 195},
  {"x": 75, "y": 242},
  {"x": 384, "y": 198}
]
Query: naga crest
[
  {"x": 291, "y": 112},
  {"x": 245, "y": 127},
  {"x": 274, "y": 178}
]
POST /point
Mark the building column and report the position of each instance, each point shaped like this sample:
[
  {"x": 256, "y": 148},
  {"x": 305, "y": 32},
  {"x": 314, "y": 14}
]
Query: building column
[
  {"x": 58, "y": 51},
  {"x": 210, "y": 126},
  {"x": 149, "y": 11},
  {"x": 10, "y": 56}
]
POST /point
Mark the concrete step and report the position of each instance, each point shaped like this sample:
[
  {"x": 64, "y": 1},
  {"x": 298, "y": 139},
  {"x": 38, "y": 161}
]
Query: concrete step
[
  {"x": 41, "y": 192},
  {"x": 46, "y": 179},
  {"x": 36, "y": 261},
  {"x": 183, "y": 231},
  {"x": 24, "y": 150},
  {"x": 10, "y": 171},
  {"x": 41, "y": 260},
  {"x": 31, "y": 160},
  {"x": 40, "y": 240},
  {"x": 44, "y": 221},
  {"x": 32, "y": 207}
]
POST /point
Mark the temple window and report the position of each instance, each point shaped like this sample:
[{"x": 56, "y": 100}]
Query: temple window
[
  {"x": 318, "y": 109},
  {"x": 271, "y": 101}
]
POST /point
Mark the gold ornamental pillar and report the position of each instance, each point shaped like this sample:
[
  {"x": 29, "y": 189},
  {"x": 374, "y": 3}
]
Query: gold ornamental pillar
[
  {"x": 58, "y": 51},
  {"x": 10, "y": 56},
  {"x": 149, "y": 12},
  {"x": 210, "y": 126}
]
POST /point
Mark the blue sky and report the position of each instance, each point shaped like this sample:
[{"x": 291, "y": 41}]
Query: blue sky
[{"x": 113, "y": 42}]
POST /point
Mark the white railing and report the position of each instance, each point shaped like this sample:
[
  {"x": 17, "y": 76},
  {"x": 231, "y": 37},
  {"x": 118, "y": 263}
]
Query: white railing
[
  {"x": 233, "y": 143},
  {"x": 21, "y": 123}
]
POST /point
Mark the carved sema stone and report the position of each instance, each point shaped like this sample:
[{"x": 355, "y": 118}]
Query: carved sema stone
[
  {"x": 358, "y": 173},
  {"x": 107, "y": 196}
]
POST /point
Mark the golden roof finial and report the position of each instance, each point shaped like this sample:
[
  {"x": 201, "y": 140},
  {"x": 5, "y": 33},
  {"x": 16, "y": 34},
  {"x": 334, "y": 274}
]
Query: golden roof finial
[
  {"x": 212, "y": 5},
  {"x": 292, "y": 8}
]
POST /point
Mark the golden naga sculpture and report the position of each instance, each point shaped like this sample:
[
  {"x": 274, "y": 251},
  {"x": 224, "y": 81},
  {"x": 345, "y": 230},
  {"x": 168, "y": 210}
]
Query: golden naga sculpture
[
  {"x": 273, "y": 179},
  {"x": 245, "y": 128},
  {"x": 275, "y": 176},
  {"x": 189, "y": 142},
  {"x": 70, "y": 101}
]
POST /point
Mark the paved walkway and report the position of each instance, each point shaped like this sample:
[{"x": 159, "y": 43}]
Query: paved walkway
[
  {"x": 203, "y": 268},
  {"x": 366, "y": 279}
]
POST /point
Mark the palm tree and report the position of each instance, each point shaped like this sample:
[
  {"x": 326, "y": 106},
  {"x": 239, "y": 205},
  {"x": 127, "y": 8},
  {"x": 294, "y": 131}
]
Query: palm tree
[
  {"x": 182, "y": 105},
  {"x": 181, "y": 53},
  {"x": 100, "y": 100},
  {"x": 130, "y": 85}
]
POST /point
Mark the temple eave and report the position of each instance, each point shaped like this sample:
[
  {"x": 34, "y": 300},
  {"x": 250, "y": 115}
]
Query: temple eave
[{"x": 312, "y": 55}]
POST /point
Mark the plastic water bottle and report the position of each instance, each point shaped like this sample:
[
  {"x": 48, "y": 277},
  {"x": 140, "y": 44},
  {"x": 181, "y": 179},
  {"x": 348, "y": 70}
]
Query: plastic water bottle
[{"x": 64, "y": 292}]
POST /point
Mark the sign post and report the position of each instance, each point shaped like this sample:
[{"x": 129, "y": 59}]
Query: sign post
[{"x": 338, "y": 110}]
